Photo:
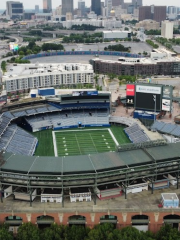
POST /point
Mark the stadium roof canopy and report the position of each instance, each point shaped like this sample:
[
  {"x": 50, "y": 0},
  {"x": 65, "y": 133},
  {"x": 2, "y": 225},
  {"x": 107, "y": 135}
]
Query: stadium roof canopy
[{"x": 88, "y": 163}]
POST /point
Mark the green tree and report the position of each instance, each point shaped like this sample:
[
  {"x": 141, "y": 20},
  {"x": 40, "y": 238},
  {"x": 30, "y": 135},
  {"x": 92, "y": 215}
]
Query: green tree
[
  {"x": 54, "y": 232},
  {"x": 28, "y": 231},
  {"x": 102, "y": 232},
  {"x": 5, "y": 234},
  {"x": 166, "y": 232},
  {"x": 76, "y": 232},
  {"x": 31, "y": 44}
]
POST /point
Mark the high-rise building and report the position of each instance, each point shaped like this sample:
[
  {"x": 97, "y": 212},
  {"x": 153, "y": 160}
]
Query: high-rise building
[
  {"x": 172, "y": 12},
  {"x": 47, "y": 6},
  {"x": 96, "y": 6},
  {"x": 167, "y": 29},
  {"x": 137, "y": 3},
  {"x": 36, "y": 8},
  {"x": 109, "y": 7},
  {"x": 67, "y": 6},
  {"x": 117, "y": 2},
  {"x": 69, "y": 16},
  {"x": 58, "y": 10},
  {"x": 156, "y": 13},
  {"x": 145, "y": 13},
  {"x": 81, "y": 7},
  {"x": 14, "y": 10}
]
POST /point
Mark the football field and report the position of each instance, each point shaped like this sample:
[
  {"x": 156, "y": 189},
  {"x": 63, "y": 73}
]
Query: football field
[
  {"x": 80, "y": 142},
  {"x": 69, "y": 142}
]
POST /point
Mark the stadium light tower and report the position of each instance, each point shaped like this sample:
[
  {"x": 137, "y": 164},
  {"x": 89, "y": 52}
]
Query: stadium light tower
[{"x": 154, "y": 98}]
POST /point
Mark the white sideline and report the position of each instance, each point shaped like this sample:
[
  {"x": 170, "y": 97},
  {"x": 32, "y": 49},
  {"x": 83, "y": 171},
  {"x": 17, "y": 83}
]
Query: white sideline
[
  {"x": 54, "y": 143},
  {"x": 80, "y": 130},
  {"x": 113, "y": 137}
]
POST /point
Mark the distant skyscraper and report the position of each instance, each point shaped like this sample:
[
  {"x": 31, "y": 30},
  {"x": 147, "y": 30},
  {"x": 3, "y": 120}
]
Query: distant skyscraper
[
  {"x": 156, "y": 13},
  {"x": 36, "y": 8},
  {"x": 117, "y": 2},
  {"x": 81, "y": 6},
  {"x": 14, "y": 10},
  {"x": 67, "y": 6},
  {"x": 137, "y": 3},
  {"x": 167, "y": 29},
  {"x": 96, "y": 6},
  {"x": 109, "y": 7},
  {"x": 47, "y": 6}
]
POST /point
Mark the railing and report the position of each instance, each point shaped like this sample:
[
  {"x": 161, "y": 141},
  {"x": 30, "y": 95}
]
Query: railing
[{"x": 107, "y": 53}]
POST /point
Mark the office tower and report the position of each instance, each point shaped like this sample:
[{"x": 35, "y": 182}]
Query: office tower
[
  {"x": 36, "y": 8},
  {"x": 117, "y": 2},
  {"x": 145, "y": 13},
  {"x": 14, "y": 10},
  {"x": 67, "y": 6},
  {"x": 172, "y": 12},
  {"x": 156, "y": 13},
  {"x": 96, "y": 6},
  {"x": 47, "y": 6},
  {"x": 109, "y": 7},
  {"x": 167, "y": 29},
  {"x": 81, "y": 7},
  {"x": 58, "y": 10},
  {"x": 159, "y": 14},
  {"x": 137, "y": 3}
]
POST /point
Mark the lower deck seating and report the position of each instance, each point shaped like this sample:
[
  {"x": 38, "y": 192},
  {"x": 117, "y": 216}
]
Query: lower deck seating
[
  {"x": 17, "y": 140},
  {"x": 69, "y": 118},
  {"x": 136, "y": 134}
]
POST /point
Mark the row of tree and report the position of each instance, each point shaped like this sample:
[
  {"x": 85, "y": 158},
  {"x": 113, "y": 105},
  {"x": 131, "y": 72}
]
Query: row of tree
[
  {"x": 32, "y": 48},
  {"x": 83, "y": 38},
  {"x": 164, "y": 41},
  {"x": 86, "y": 27},
  {"x": 153, "y": 32},
  {"x": 28, "y": 231},
  {"x": 150, "y": 42},
  {"x": 117, "y": 47},
  {"x": 3, "y": 66}
]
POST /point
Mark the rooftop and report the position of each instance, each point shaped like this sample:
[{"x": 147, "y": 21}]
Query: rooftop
[
  {"x": 93, "y": 163},
  {"x": 44, "y": 69},
  {"x": 168, "y": 196},
  {"x": 134, "y": 61}
]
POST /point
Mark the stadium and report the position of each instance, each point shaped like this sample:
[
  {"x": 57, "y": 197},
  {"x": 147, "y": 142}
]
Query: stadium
[{"x": 67, "y": 159}]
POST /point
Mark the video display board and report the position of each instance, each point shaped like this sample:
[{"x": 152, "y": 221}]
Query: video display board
[
  {"x": 130, "y": 90},
  {"x": 167, "y": 92},
  {"x": 166, "y": 105},
  {"x": 147, "y": 97},
  {"x": 13, "y": 46}
]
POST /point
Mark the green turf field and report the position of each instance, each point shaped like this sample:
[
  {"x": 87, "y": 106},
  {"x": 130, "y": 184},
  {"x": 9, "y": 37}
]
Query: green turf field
[{"x": 84, "y": 141}]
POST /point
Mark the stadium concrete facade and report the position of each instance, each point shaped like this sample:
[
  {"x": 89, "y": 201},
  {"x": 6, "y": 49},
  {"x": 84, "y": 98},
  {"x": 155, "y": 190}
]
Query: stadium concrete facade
[{"x": 65, "y": 193}]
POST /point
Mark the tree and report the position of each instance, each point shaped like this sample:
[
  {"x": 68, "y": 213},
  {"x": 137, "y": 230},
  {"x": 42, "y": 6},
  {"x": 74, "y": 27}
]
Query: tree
[
  {"x": 166, "y": 232},
  {"x": 54, "y": 232},
  {"x": 5, "y": 234},
  {"x": 76, "y": 232},
  {"x": 31, "y": 44},
  {"x": 28, "y": 231},
  {"x": 102, "y": 232}
]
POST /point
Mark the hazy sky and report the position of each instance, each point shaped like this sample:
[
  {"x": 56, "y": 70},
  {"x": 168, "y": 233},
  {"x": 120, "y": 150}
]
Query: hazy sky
[{"x": 55, "y": 3}]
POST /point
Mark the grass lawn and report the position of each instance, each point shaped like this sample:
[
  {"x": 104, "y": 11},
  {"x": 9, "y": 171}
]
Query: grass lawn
[{"x": 84, "y": 141}]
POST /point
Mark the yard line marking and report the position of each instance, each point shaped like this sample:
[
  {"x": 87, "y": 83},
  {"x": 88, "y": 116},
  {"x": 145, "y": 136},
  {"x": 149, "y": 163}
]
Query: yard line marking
[
  {"x": 78, "y": 144},
  {"x": 93, "y": 142}
]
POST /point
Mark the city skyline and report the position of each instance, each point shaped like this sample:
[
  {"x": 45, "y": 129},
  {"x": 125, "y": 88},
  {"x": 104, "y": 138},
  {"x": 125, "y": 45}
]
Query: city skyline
[{"x": 31, "y": 4}]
